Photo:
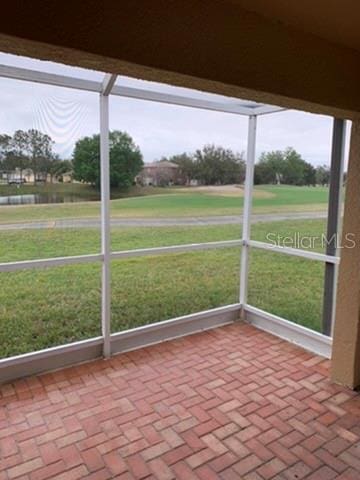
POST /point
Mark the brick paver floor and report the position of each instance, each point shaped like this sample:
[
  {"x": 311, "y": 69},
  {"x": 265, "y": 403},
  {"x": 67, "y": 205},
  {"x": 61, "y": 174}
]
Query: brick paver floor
[{"x": 231, "y": 403}]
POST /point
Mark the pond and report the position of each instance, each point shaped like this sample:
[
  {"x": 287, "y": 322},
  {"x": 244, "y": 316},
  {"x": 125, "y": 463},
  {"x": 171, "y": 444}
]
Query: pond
[{"x": 46, "y": 197}]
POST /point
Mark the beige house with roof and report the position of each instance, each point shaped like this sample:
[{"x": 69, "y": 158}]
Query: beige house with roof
[{"x": 160, "y": 174}]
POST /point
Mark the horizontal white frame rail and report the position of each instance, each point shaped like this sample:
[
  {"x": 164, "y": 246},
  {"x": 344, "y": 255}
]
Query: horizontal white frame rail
[
  {"x": 295, "y": 252},
  {"x": 84, "y": 350},
  {"x": 290, "y": 331},
  {"x": 53, "y": 358},
  {"x": 172, "y": 99},
  {"x": 174, "y": 328},
  {"x": 189, "y": 247},
  {"x": 28, "y": 75},
  {"x": 18, "y": 73},
  {"x": 49, "y": 262},
  {"x": 171, "y": 249},
  {"x": 99, "y": 257}
]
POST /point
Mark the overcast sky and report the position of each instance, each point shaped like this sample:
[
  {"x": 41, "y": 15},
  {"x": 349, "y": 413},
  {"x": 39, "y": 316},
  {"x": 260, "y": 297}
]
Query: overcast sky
[{"x": 159, "y": 129}]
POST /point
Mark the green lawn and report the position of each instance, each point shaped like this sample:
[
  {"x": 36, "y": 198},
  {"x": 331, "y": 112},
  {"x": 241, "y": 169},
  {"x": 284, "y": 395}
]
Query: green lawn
[
  {"x": 42, "y": 308},
  {"x": 16, "y": 245},
  {"x": 284, "y": 195},
  {"x": 177, "y": 203}
]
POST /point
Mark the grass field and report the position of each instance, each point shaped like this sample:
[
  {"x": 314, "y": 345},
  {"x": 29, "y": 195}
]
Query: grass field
[
  {"x": 178, "y": 203},
  {"x": 42, "y": 308}
]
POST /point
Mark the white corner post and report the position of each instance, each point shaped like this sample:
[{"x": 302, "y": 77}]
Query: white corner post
[
  {"x": 333, "y": 223},
  {"x": 248, "y": 191},
  {"x": 108, "y": 83}
]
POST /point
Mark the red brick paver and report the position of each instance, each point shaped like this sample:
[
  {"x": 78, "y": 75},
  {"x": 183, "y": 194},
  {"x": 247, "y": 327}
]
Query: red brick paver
[{"x": 231, "y": 403}]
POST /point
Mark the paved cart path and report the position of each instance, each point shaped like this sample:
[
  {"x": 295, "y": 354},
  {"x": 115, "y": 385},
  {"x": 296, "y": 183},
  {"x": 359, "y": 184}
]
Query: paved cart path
[{"x": 163, "y": 222}]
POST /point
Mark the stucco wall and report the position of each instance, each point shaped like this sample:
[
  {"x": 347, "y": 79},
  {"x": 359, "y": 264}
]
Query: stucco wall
[
  {"x": 209, "y": 44},
  {"x": 346, "y": 339}
]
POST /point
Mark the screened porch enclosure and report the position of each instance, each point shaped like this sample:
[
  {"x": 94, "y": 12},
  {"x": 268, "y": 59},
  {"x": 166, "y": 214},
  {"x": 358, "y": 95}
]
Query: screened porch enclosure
[{"x": 109, "y": 332}]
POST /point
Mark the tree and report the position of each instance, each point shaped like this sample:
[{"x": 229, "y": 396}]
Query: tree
[
  {"x": 4, "y": 146},
  {"x": 294, "y": 167},
  {"x": 310, "y": 175},
  {"x": 38, "y": 147},
  {"x": 186, "y": 164},
  {"x": 4, "y": 151},
  {"x": 270, "y": 167},
  {"x": 29, "y": 149},
  {"x": 323, "y": 175},
  {"x": 57, "y": 167},
  {"x": 126, "y": 160},
  {"x": 216, "y": 165},
  {"x": 16, "y": 157},
  {"x": 286, "y": 167}
]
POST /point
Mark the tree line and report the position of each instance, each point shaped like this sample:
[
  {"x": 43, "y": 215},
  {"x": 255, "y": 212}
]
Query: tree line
[
  {"x": 288, "y": 167},
  {"x": 216, "y": 165},
  {"x": 211, "y": 165},
  {"x": 31, "y": 150}
]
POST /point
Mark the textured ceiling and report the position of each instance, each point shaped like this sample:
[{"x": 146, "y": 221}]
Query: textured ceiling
[{"x": 337, "y": 21}]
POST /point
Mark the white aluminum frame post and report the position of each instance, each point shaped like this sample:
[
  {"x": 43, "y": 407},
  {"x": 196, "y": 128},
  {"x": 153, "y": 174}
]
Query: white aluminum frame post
[
  {"x": 108, "y": 84},
  {"x": 248, "y": 194},
  {"x": 334, "y": 223}
]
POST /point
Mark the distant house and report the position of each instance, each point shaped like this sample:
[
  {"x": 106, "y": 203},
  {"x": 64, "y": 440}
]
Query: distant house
[
  {"x": 66, "y": 177},
  {"x": 160, "y": 174},
  {"x": 18, "y": 176},
  {"x": 24, "y": 176},
  {"x": 27, "y": 176}
]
